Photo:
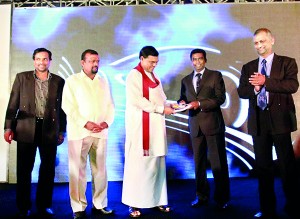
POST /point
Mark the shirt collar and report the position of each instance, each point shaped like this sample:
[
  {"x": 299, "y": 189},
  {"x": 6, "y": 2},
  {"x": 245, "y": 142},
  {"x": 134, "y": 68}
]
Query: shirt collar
[
  {"x": 36, "y": 77},
  {"x": 82, "y": 74},
  {"x": 201, "y": 72},
  {"x": 269, "y": 59}
]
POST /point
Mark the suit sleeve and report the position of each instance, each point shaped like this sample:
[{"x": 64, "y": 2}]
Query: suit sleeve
[
  {"x": 13, "y": 105},
  {"x": 183, "y": 92},
  {"x": 287, "y": 82},
  {"x": 217, "y": 98},
  {"x": 62, "y": 115},
  {"x": 245, "y": 89}
]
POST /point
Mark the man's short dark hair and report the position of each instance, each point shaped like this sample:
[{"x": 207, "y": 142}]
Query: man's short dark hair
[
  {"x": 148, "y": 51},
  {"x": 38, "y": 50},
  {"x": 88, "y": 51},
  {"x": 263, "y": 29},
  {"x": 202, "y": 51}
]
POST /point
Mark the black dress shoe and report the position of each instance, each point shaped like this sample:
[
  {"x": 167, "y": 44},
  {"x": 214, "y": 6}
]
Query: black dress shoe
[
  {"x": 265, "y": 216},
  {"x": 104, "y": 210},
  {"x": 222, "y": 206},
  {"x": 292, "y": 211},
  {"x": 24, "y": 214},
  {"x": 79, "y": 215},
  {"x": 47, "y": 212},
  {"x": 199, "y": 201}
]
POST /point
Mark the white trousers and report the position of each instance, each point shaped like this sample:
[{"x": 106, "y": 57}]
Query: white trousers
[
  {"x": 144, "y": 182},
  {"x": 79, "y": 150}
]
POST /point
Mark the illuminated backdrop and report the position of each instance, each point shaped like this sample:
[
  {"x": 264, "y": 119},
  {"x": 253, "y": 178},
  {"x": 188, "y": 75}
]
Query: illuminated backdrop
[{"x": 118, "y": 33}]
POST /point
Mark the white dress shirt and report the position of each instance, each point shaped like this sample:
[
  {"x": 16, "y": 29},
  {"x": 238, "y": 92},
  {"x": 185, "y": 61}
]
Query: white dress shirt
[{"x": 195, "y": 78}]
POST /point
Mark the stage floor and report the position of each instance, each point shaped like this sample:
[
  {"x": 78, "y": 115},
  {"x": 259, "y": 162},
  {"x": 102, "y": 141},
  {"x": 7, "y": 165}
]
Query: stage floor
[{"x": 243, "y": 205}]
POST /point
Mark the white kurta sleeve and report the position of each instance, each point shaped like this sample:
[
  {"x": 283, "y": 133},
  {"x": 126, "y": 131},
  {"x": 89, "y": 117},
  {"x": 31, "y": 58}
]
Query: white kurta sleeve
[
  {"x": 70, "y": 106},
  {"x": 110, "y": 105},
  {"x": 134, "y": 92}
]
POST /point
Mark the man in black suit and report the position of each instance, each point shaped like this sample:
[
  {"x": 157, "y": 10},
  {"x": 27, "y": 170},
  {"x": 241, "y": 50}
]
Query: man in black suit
[
  {"x": 204, "y": 90},
  {"x": 269, "y": 82},
  {"x": 34, "y": 119}
]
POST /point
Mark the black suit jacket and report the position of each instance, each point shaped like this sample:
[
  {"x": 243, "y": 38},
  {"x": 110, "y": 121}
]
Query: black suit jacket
[
  {"x": 281, "y": 84},
  {"x": 208, "y": 118},
  {"x": 20, "y": 114}
]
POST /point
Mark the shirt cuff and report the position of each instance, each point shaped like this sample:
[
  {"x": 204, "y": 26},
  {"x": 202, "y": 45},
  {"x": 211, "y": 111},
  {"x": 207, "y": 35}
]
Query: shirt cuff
[
  {"x": 159, "y": 109},
  {"x": 256, "y": 92}
]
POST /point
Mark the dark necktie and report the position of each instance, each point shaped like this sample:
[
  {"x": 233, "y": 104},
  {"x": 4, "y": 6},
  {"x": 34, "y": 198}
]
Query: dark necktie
[
  {"x": 262, "y": 96},
  {"x": 199, "y": 77}
]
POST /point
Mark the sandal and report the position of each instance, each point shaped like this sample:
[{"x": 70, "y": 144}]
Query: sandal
[
  {"x": 134, "y": 212},
  {"x": 164, "y": 208}
]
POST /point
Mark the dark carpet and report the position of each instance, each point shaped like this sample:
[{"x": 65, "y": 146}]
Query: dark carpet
[{"x": 243, "y": 204}]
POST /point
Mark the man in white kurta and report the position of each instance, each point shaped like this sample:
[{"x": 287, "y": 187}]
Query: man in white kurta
[
  {"x": 144, "y": 182},
  {"x": 89, "y": 108}
]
